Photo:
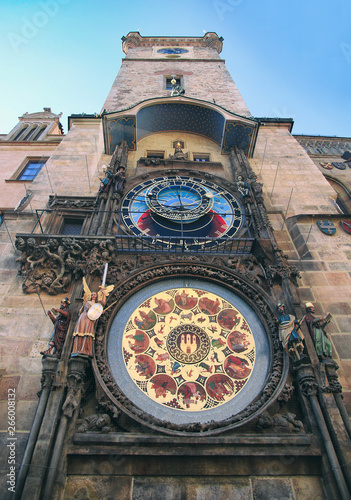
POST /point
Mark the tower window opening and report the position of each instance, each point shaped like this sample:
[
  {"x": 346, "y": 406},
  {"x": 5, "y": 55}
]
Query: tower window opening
[
  {"x": 20, "y": 133},
  {"x": 38, "y": 133}
]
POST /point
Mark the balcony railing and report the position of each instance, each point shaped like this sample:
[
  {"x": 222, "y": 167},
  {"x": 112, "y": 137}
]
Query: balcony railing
[
  {"x": 129, "y": 244},
  {"x": 132, "y": 243}
]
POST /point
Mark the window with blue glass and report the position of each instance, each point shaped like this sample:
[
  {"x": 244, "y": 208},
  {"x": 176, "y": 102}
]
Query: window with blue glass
[
  {"x": 201, "y": 157},
  {"x": 31, "y": 170}
]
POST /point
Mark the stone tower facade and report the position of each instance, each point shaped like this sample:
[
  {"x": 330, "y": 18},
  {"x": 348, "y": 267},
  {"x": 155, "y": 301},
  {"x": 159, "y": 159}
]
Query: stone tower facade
[{"x": 192, "y": 355}]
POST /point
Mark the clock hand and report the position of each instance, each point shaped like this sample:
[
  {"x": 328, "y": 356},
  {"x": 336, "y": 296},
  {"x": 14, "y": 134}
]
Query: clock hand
[
  {"x": 178, "y": 194},
  {"x": 193, "y": 203}
]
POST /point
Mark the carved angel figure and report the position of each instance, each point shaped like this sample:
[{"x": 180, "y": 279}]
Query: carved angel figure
[{"x": 91, "y": 310}]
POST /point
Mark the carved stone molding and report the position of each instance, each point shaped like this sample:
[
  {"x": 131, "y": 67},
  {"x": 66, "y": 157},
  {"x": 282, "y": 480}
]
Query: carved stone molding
[
  {"x": 334, "y": 385},
  {"x": 279, "y": 423},
  {"x": 51, "y": 263},
  {"x": 233, "y": 281},
  {"x": 286, "y": 394},
  {"x": 75, "y": 381},
  {"x": 306, "y": 379},
  {"x": 70, "y": 202},
  {"x": 283, "y": 271},
  {"x": 48, "y": 376},
  {"x": 97, "y": 422}
]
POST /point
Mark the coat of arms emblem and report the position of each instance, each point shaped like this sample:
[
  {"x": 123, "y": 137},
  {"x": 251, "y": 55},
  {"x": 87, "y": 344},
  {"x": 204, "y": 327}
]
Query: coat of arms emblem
[
  {"x": 346, "y": 226},
  {"x": 339, "y": 164},
  {"x": 326, "y": 165},
  {"x": 327, "y": 227}
]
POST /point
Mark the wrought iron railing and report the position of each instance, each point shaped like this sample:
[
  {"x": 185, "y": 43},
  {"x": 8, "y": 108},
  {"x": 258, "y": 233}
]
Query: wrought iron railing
[
  {"x": 143, "y": 244},
  {"x": 132, "y": 243},
  {"x": 171, "y": 244}
]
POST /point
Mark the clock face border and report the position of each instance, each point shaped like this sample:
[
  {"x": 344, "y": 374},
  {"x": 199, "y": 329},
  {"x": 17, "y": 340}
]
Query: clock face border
[
  {"x": 122, "y": 361},
  {"x": 163, "y": 275},
  {"x": 223, "y": 220}
]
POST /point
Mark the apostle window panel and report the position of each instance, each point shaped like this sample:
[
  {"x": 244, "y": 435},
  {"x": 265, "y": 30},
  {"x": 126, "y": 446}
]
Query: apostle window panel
[
  {"x": 201, "y": 157},
  {"x": 155, "y": 154},
  {"x": 29, "y": 169},
  {"x": 169, "y": 81}
]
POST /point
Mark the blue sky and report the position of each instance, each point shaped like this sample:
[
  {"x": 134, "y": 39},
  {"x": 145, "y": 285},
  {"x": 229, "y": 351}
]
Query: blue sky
[{"x": 288, "y": 59}]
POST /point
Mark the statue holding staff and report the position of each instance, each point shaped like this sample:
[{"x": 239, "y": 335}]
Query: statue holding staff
[
  {"x": 61, "y": 324},
  {"x": 91, "y": 310}
]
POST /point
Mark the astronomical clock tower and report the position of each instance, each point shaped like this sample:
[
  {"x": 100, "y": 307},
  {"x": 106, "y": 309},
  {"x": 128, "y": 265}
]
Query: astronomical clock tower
[{"x": 181, "y": 377}]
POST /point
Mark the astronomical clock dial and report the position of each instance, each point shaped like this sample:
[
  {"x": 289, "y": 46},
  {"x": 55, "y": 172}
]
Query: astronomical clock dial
[
  {"x": 181, "y": 207},
  {"x": 178, "y": 201},
  {"x": 188, "y": 351}
]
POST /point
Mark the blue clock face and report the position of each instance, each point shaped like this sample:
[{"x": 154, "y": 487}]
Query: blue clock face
[
  {"x": 181, "y": 207},
  {"x": 172, "y": 50},
  {"x": 179, "y": 201}
]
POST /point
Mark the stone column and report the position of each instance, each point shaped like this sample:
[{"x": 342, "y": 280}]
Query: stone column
[
  {"x": 47, "y": 380},
  {"x": 75, "y": 381},
  {"x": 308, "y": 386}
]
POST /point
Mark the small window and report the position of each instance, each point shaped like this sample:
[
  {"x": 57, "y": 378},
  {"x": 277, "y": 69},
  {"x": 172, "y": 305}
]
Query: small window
[
  {"x": 31, "y": 170},
  {"x": 30, "y": 131},
  {"x": 38, "y": 133},
  {"x": 28, "y": 169},
  {"x": 155, "y": 154},
  {"x": 169, "y": 82},
  {"x": 20, "y": 133},
  {"x": 201, "y": 157},
  {"x": 72, "y": 226}
]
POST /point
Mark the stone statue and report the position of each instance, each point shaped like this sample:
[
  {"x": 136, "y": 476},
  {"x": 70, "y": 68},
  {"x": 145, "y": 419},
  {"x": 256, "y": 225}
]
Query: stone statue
[
  {"x": 316, "y": 328},
  {"x": 242, "y": 186},
  {"x": 119, "y": 180},
  {"x": 256, "y": 188},
  {"x": 178, "y": 153},
  {"x": 61, "y": 324},
  {"x": 288, "y": 332},
  {"x": 97, "y": 423},
  {"x": 104, "y": 186},
  {"x": 176, "y": 89},
  {"x": 91, "y": 310},
  {"x": 280, "y": 423},
  {"x": 106, "y": 181}
]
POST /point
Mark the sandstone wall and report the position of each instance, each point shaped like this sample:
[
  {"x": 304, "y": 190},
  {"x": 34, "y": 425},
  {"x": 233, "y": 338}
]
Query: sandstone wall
[
  {"x": 323, "y": 260},
  {"x": 207, "y": 79}
]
